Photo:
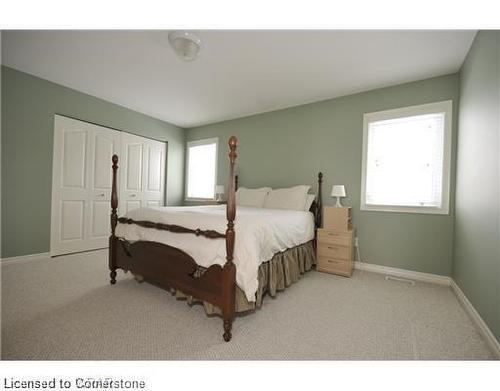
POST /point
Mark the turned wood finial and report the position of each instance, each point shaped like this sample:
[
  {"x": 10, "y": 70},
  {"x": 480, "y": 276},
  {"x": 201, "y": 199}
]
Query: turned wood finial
[
  {"x": 114, "y": 195},
  {"x": 233, "y": 143}
]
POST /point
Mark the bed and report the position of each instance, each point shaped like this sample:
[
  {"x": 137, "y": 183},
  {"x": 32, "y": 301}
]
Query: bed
[{"x": 192, "y": 251}]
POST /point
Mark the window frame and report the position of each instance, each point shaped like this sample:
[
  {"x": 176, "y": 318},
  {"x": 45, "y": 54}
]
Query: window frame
[
  {"x": 430, "y": 108},
  {"x": 194, "y": 143}
]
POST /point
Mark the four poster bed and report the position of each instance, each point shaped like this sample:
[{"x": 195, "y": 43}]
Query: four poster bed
[{"x": 160, "y": 245}]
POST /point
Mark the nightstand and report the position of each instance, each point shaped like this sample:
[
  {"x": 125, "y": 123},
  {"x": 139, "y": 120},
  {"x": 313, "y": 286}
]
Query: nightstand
[{"x": 334, "y": 252}]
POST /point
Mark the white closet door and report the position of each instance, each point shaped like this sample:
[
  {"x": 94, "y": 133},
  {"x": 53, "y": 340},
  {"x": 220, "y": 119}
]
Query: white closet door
[
  {"x": 142, "y": 171},
  {"x": 81, "y": 185},
  {"x": 82, "y": 175}
]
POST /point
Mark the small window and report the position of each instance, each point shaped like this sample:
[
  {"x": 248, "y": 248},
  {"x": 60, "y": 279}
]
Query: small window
[
  {"x": 201, "y": 162},
  {"x": 406, "y": 159}
]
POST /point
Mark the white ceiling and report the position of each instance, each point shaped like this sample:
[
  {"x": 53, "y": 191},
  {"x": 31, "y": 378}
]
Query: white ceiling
[{"x": 238, "y": 73}]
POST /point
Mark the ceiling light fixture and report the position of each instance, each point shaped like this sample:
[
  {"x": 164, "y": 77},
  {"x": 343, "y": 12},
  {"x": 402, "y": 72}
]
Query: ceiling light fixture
[{"x": 185, "y": 44}]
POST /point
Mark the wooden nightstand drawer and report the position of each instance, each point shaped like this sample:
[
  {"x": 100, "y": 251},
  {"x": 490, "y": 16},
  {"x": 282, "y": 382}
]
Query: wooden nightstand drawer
[
  {"x": 338, "y": 219},
  {"x": 336, "y": 266},
  {"x": 330, "y": 237},
  {"x": 334, "y": 251}
]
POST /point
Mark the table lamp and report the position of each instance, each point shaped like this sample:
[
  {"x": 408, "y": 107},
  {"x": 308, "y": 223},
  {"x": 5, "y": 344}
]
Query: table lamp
[
  {"x": 219, "y": 191},
  {"x": 338, "y": 191}
]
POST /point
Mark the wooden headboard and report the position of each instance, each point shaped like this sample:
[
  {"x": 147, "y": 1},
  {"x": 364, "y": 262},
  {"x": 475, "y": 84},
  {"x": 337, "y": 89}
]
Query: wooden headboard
[{"x": 316, "y": 207}]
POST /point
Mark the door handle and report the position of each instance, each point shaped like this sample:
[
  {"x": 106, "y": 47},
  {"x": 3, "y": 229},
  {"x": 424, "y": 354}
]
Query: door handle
[{"x": 101, "y": 195}]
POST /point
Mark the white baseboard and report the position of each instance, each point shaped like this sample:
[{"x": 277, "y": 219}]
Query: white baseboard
[
  {"x": 480, "y": 324},
  {"x": 482, "y": 327},
  {"x": 412, "y": 275},
  {"x": 24, "y": 258}
]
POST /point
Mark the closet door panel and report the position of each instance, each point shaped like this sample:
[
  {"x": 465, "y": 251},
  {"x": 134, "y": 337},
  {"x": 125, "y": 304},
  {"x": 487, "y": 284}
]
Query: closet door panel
[
  {"x": 72, "y": 220},
  {"x": 154, "y": 169},
  {"x": 74, "y": 158},
  {"x": 101, "y": 226},
  {"x": 134, "y": 159},
  {"x": 132, "y": 168},
  {"x": 104, "y": 147},
  {"x": 154, "y": 189}
]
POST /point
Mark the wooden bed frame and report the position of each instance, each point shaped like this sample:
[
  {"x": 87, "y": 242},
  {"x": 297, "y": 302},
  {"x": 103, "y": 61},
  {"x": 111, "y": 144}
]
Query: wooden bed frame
[{"x": 170, "y": 267}]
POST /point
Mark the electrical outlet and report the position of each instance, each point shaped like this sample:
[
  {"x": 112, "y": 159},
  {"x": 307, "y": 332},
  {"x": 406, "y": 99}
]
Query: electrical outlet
[{"x": 356, "y": 242}]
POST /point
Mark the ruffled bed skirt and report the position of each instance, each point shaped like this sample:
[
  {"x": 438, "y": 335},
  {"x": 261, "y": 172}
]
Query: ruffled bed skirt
[{"x": 275, "y": 275}]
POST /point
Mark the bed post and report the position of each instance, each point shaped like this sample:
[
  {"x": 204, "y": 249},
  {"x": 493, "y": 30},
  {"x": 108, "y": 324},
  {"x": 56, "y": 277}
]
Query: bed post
[
  {"x": 114, "y": 221},
  {"x": 229, "y": 269},
  {"x": 319, "y": 202}
]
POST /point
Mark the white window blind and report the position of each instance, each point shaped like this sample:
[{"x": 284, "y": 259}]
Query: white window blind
[
  {"x": 405, "y": 162},
  {"x": 201, "y": 169}
]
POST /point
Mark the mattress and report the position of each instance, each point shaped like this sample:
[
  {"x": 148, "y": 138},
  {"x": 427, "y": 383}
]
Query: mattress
[{"x": 260, "y": 234}]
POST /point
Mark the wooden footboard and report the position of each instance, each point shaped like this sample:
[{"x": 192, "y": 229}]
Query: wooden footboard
[{"x": 170, "y": 267}]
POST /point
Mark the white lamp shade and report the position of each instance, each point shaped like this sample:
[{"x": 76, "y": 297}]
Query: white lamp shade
[
  {"x": 338, "y": 191},
  {"x": 219, "y": 189}
]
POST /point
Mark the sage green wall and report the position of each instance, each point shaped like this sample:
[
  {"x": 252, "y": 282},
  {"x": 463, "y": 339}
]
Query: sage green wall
[
  {"x": 28, "y": 107},
  {"x": 288, "y": 147},
  {"x": 476, "y": 253}
]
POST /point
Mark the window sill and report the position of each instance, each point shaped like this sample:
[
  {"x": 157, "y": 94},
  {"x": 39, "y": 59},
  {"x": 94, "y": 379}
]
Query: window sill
[
  {"x": 199, "y": 199},
  {"x": 405, "y": 209}
]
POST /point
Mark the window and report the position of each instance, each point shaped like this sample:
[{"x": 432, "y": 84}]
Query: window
[
  {"x": 406, "y": 159},
  {"x": 201, "y": 161}
]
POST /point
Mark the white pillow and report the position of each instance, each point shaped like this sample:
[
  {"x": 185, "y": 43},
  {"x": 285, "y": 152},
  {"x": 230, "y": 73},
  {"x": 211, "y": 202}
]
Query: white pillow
[
  {"x": 252, "y": 197},
  {"x": 292, "y": 198},
  {"x": 309, "y": 200}
]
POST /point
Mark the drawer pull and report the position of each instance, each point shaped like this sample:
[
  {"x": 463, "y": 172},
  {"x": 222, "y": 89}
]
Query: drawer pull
[
  {"x": 332, "y": 261},
  {"x": 333, "y": 248}
]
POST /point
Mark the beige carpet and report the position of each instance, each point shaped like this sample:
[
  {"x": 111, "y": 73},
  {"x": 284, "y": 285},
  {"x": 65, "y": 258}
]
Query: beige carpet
[{"x": 64, "y": 308}]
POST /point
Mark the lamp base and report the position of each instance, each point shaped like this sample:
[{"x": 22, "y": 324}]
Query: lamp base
[{"x": 338, "y": 204}]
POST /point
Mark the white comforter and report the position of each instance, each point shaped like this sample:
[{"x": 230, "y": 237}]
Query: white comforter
[{"x": 260, "y": 233}]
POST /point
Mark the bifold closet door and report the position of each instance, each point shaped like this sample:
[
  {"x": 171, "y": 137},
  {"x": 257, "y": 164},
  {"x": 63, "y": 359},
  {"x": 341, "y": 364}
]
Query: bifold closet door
[
  {"x": 81, "y": 185},
  {"x": 142, "y": 173}
]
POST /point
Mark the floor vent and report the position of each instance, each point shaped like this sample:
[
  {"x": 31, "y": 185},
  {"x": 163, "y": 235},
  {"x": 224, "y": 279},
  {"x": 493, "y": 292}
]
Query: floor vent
[{"x": 399, "y": 279}]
